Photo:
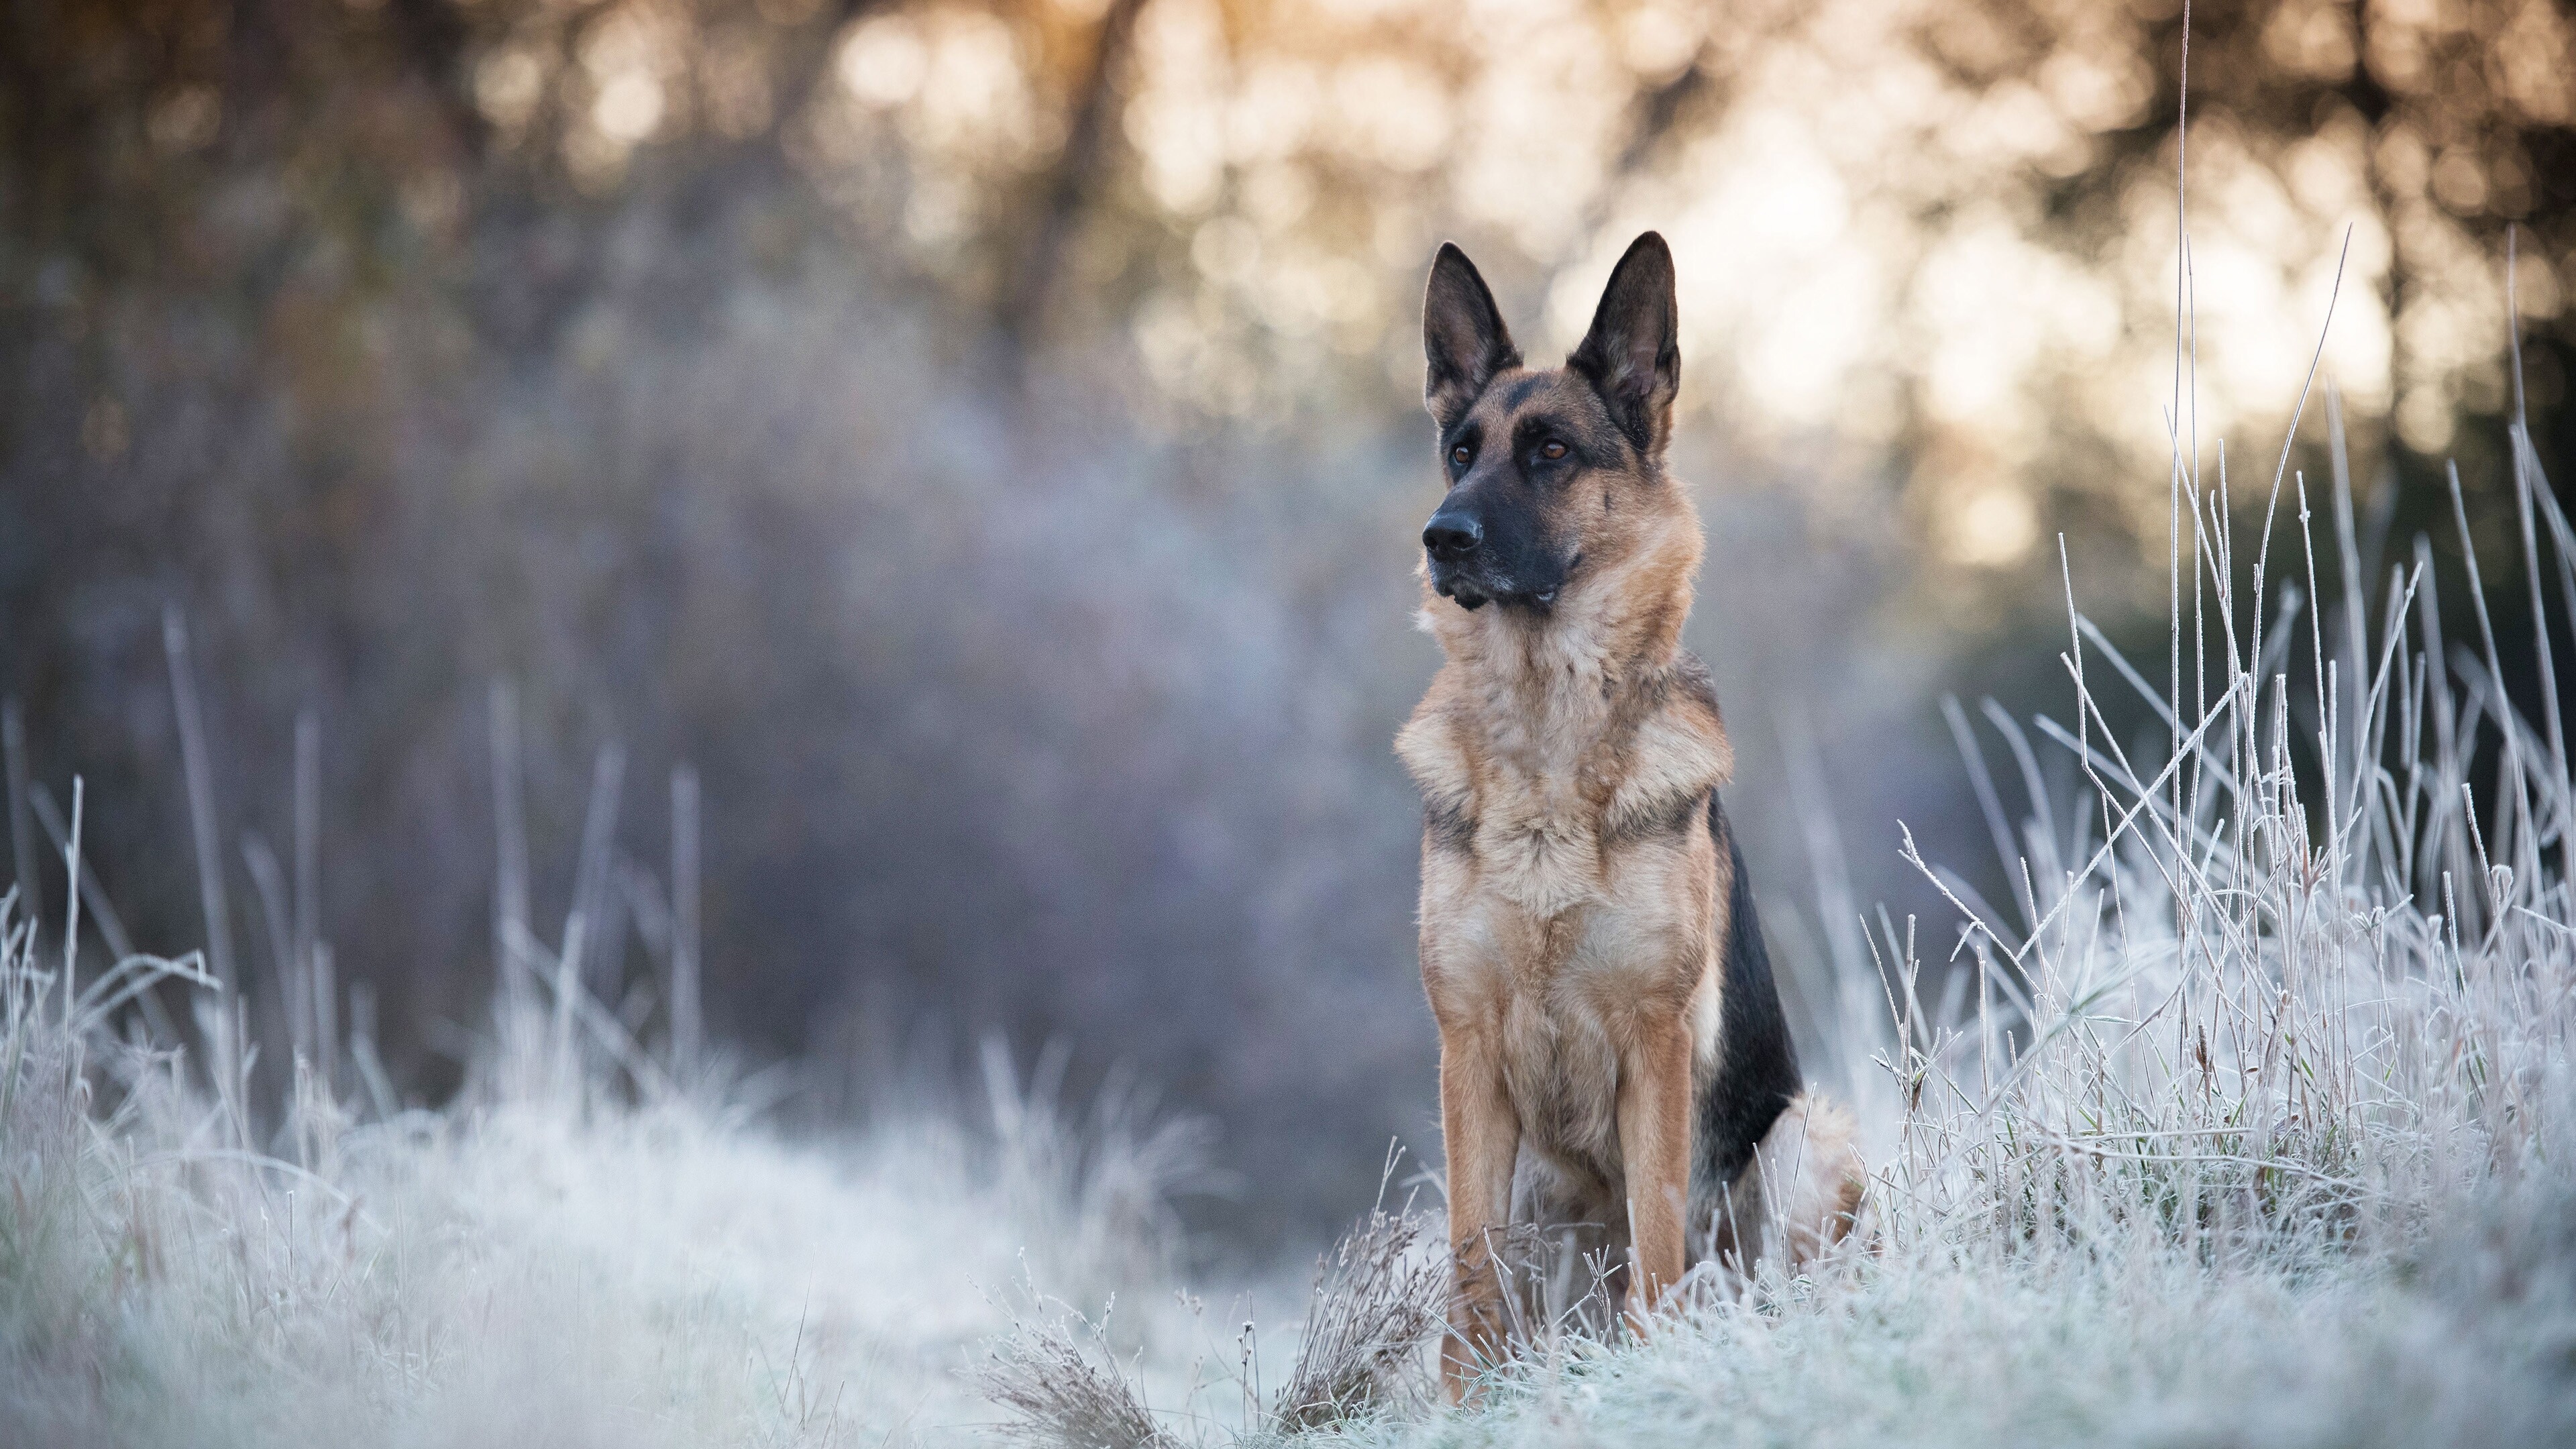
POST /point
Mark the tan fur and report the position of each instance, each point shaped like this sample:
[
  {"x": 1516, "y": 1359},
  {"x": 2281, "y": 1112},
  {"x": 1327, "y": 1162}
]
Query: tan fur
[
  {"x": 1801, "y": 1194},
  {"x": 1572, "y": 954},
  {"x": 1577, "y": 876},
  {"x": 1571, "y": 973}
]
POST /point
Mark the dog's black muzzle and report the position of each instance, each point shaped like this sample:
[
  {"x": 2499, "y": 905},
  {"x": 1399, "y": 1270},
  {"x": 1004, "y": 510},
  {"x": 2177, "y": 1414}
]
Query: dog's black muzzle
[{"x": 1474, "y": 568}]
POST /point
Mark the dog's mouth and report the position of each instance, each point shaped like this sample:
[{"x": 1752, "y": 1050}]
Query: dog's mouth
[
  {"x": 1473, "y": 591},
  {"x": 1470, "y": 596}
]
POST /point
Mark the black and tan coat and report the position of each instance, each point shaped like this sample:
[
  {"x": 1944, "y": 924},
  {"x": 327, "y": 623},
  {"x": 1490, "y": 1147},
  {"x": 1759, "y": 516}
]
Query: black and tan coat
[{"x": 1614, "y": 1063}]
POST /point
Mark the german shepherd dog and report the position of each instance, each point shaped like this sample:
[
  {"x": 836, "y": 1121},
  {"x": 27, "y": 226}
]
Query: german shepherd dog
[{"x": 1615, "y": 1069}]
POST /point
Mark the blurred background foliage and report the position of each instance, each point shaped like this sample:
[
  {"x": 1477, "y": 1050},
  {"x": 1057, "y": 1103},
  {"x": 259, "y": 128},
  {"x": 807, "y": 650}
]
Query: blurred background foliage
[{"x": 983, "y": 438}]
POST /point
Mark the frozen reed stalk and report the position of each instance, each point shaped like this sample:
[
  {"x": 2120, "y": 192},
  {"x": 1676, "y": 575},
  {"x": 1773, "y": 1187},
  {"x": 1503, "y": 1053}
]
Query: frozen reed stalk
[
  {"x": 305, "y": 998},
  {"x": 201, "y": 799},
  {"x": 362, "y": 1049},
  {"x": 226, "y": 1039},
  {"x": 71, "y": 907},
  {"x": 269, "y": 885},
  {"x": 589, "y": 903},
  {"x": 685, "y": 1024},
  {"x": 326, "y": 1012},
  {"x": 510, "y": 876},
  {"x": 598, "y": 844},
  {"x": 94, "y": 901},
  {"x": 22, "y": 842}
]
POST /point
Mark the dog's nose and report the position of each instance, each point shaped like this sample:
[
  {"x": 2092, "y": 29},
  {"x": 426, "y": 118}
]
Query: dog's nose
[{"x": 1453, "y": 536}]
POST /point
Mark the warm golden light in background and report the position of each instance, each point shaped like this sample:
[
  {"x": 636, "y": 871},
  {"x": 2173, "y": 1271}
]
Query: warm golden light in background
[{"x": 1870, "y": 199}]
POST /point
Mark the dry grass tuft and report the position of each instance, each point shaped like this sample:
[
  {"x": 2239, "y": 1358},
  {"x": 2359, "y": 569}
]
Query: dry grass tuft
[
  {"x": 593, "y": 1246},
  {"x": 1058, "y": 1396},
  {"x": 1376, "y": 1302},
  {"x": 1378, "y": 1296}
]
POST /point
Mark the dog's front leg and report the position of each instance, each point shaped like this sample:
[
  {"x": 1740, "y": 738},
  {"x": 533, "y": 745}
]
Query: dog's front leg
[
  {"x": 1481, "y": 1133},
  {"x": 1654, "y": 1145}
]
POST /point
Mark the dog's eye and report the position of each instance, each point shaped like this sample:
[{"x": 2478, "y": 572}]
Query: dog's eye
[
  {"x": 1459, "y": 455},
  {"x": 1551, "y": 450}
]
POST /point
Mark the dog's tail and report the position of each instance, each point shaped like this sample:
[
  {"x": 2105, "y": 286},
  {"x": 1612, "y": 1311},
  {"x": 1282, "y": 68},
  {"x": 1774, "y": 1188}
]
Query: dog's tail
[{"x": 1801, "y": 1193}]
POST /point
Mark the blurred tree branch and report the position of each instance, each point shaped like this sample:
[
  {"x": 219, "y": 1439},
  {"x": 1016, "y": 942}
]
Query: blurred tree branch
[
  {"x": 809, "y": 64},
  {"x": 436, "y": 41},
  {"x": 1029, "y": 294}
]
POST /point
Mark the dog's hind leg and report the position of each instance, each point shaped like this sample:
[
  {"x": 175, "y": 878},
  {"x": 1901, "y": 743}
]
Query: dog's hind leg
[{"x": 1801, "y": 1192}]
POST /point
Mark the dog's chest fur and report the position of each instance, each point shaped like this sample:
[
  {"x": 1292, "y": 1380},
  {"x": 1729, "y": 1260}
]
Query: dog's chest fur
[{"x": 1570, "y": 882}]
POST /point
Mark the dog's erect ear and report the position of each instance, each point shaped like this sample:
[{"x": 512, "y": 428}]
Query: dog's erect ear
[
  {"x": 1633, "y": 354},
  {"x": 1464, "y": 342}
]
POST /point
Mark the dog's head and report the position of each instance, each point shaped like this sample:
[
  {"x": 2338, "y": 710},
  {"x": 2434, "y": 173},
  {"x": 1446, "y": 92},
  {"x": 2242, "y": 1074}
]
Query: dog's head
[{"x": 1548, "y": 472}]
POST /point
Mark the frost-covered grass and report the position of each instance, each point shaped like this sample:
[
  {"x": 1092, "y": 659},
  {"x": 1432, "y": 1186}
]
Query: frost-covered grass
[
  {"x": 2255, "y": 1123},
  {"x": 2467, "y": 1343},
  {"x": 530, "y": 1271},
  {"x": 596, "y": 1242},
  {"x": 2248, "y": 1116}
]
